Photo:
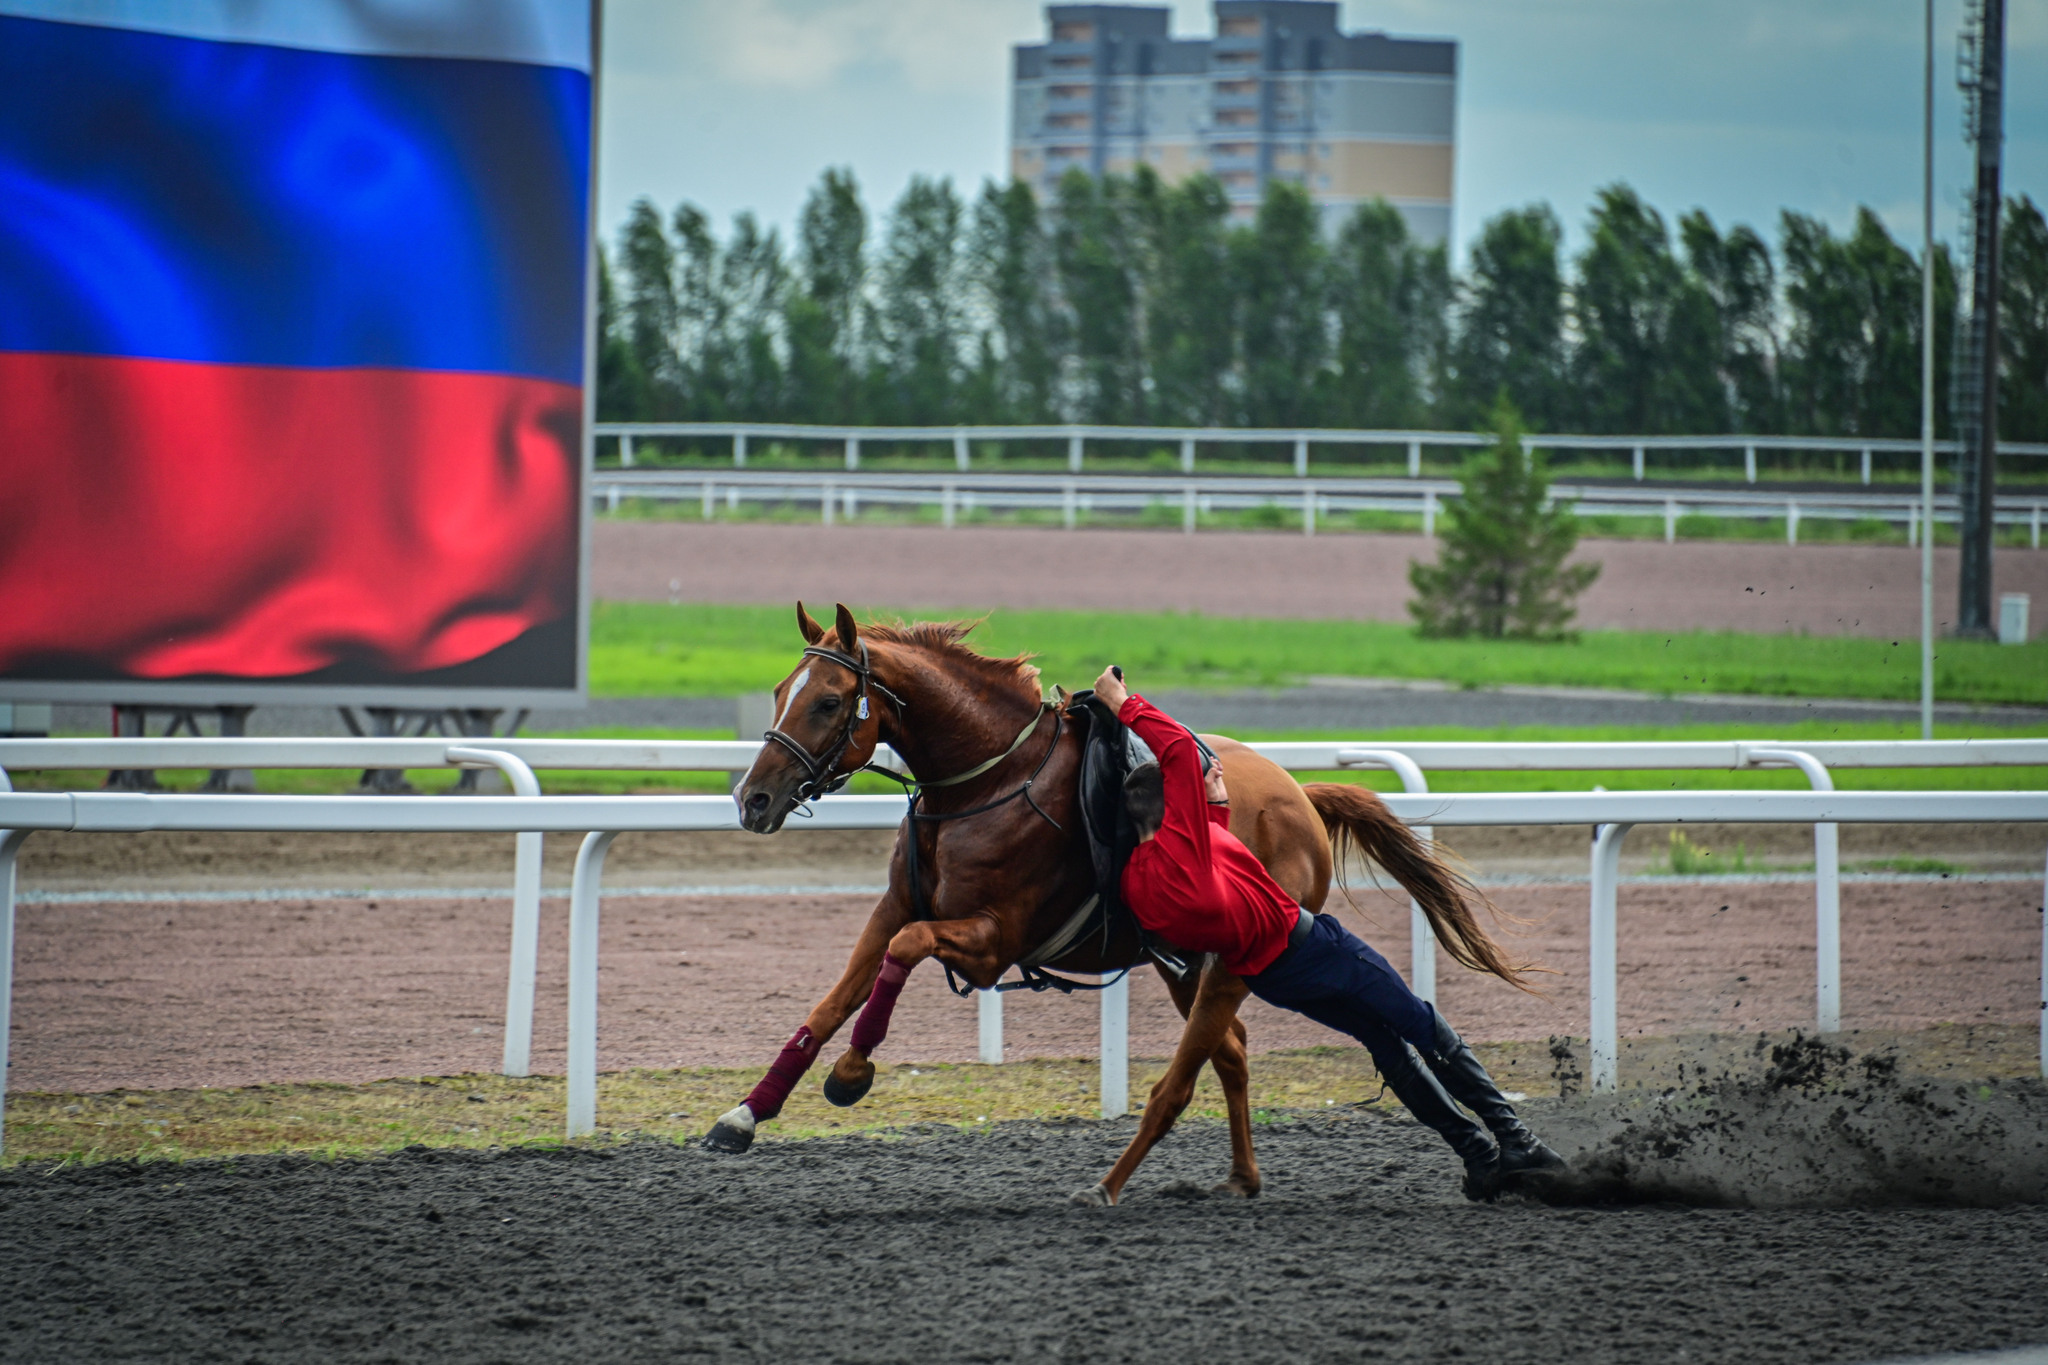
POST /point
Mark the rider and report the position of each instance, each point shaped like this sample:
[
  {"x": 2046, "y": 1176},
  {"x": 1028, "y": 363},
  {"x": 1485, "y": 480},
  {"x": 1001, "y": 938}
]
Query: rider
[{"x": 1194, "y": 884}]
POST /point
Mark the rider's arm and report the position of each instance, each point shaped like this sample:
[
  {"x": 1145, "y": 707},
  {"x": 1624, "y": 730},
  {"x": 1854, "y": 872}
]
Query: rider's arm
[
  {"x": 1219, "y": 796},
  {"x": 1187, "y": 826}
]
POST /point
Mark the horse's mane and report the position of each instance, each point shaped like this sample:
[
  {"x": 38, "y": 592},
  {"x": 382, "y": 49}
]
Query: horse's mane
[{"x": 946, "y": 639}]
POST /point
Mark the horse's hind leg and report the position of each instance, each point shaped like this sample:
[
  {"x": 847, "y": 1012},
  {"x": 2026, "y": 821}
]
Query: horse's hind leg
[
  {"x": 1209, "y": 1024},
  {"x": 1233, "y": 1073}
]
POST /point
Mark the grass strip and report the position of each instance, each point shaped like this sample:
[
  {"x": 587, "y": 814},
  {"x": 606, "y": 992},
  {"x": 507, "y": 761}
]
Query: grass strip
[
  {"x": 477, "y": 1111},
  {"x": 649, "y": 649}
]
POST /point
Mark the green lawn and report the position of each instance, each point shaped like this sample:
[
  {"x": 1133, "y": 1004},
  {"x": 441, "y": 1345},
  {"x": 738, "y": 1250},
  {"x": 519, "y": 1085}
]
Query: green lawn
[{"x": 650, "y": 649}]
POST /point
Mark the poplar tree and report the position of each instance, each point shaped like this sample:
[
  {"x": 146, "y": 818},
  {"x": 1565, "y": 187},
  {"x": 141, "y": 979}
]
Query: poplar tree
[{"x": 1500, "y": 570}]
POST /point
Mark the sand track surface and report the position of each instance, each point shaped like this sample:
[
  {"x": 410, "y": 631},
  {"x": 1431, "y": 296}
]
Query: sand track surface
[
  {"x": 1834, "y": 589},
  {"x": 949, "y": 1246},
  {"x": 158, "y": 995}
]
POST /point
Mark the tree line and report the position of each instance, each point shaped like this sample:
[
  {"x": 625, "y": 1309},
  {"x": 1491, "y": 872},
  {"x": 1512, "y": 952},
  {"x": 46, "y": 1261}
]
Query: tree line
[{"x": 1129, "y": 300}]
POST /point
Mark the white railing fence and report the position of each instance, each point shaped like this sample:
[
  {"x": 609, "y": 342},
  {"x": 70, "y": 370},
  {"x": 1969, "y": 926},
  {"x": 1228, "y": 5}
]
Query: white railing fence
[
  {"x": 1309, "y": 503},
  {"x": 529, "y": 813},
  {"x": 741, "y": 436}
]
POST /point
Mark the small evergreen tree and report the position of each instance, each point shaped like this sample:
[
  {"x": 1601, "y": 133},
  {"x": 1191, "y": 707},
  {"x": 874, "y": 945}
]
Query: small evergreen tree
[{"x": 1501, "y": 570}]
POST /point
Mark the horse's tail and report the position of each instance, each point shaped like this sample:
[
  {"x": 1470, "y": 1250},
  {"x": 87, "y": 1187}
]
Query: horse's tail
[{"x": 1357, "y": 815}]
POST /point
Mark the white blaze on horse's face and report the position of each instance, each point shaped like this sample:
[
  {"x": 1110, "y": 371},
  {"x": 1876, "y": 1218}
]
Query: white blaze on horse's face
[{"x": 789, "y": 702}]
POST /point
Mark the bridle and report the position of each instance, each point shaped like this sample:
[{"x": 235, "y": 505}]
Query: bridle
[{"x": 821, "y": 770}]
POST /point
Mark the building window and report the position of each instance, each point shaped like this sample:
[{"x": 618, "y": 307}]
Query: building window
[
  {"x": 1066, "y": 121},
  {"x": 1238, "y": 26},
  {"x": 1071, "y": 92},
  {"x": 1237, "y": 118},
  {"x": 1073, "y": 33},
  {"x": 1237, "y": 87}
]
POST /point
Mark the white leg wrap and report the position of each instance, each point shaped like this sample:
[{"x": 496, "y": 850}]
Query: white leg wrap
[{"x": 741, "y": 1118}]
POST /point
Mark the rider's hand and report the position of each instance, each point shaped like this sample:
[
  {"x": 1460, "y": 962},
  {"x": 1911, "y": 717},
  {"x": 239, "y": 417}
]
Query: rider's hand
[
  {"x": 1110, "y": 688},
  {"x": 1213, "y": 788}
]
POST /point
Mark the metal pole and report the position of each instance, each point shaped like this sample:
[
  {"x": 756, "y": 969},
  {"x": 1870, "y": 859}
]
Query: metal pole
[
  {"x": 10, "y": 845},
  {"x": 1421, "y": 938},
  {"x": 1187, "y": 510},
  {"x": 960, "y": 455},
  {"x": 1602, "y": 984},
  {"x": 1116, "y": 1049},
  {"x": 1308, "y": 511},
  {"x": 1670, "y": 521},
  {"x": 739, "y": 450},
  {"x": 525, "y": 964},
  {"x": 1187, "y": 455},
  {"x": 1067, "y": 503},
  {"x": 1639, "y": 464},
  {"x": 1301, "y": 457},
  {"x": 1074, "y": 452},
  {"x": 1415, "y": 459},
  {"x": 853, "y": 452},
  {"x": 1927, "y": 385},
  {"x": 946, "y": 504},
  {"x": 583, "y": 903},
  {"x": 626, "y": 451},
  {"x": 1791, "y": 521},
  {"x": 1866, "y": 464},
  {"x": 1749, "y": 463},
  {"x": 990, "y": 1008},
  {"x": 1827, "y": 890}
]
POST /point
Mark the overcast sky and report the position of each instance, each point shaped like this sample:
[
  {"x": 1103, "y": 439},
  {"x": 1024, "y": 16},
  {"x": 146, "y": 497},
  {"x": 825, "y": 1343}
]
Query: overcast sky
[{"x": 1741, "y": 107}]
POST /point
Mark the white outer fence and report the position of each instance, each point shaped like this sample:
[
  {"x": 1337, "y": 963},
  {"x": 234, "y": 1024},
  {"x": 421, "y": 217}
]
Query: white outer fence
[
  {"x": 1312, "y": 501},
  {"x": 1300, "y": 439},
  {"x": 133, "y": 811}
]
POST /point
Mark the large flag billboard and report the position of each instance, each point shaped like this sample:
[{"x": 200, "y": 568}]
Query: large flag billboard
[{"x": 294, "y": 337}]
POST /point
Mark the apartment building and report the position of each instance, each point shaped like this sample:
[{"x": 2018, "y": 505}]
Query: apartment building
[{"x": 1278, "y": 94}]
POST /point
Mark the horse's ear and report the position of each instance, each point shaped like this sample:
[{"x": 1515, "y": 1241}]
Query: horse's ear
[
  {"x": 813, "y": 632},
  {"x": 849, "y": 633}
]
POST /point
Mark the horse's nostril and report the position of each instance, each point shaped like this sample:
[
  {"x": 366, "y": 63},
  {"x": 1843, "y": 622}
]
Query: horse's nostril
[{"x": 757, "y": 800}]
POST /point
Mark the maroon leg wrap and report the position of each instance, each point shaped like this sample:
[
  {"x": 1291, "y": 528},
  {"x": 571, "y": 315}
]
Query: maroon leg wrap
[
  {"x": 873, "y": 1025},
  {"x": 795, "y": 1059}
]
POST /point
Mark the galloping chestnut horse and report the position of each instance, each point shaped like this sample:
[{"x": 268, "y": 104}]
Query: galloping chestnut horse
[{"x": 996, "y": 863}]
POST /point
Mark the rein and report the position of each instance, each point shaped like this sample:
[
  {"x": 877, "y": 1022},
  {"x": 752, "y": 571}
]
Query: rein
[{"x": 822, "y": 778}]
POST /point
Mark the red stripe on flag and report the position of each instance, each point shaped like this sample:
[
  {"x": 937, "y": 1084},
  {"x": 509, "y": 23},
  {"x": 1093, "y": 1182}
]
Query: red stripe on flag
[{"x": 163, "y": 519}]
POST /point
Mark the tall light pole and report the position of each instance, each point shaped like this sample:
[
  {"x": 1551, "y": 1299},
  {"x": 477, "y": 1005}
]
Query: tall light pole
[{"x": 1927, "y": 388}]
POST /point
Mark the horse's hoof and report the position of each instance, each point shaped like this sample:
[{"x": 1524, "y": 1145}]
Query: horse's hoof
[
  {"x": 1233, "y": 1188},
  {"x": 844, "y": 1095},
  {"x": 1097, "y": 1198},
  {"x": 734, "y": 1132}
]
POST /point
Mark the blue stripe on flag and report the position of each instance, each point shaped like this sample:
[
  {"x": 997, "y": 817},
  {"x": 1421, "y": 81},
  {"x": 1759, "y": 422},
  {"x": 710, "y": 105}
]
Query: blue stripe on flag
[{"x": 188, "y": 200}]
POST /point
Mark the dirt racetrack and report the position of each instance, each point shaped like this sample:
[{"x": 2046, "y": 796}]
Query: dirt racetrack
[
  {"x": 949, "y": 1246},
  {"x": 1834, "y": 589}
]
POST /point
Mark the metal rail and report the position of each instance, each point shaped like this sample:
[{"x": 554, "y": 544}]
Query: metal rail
[{"x": 1311, "y": 501}]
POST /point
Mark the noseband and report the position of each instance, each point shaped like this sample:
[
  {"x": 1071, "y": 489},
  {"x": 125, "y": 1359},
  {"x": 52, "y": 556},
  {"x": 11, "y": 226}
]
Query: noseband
[{"x": 821, "y": 771}]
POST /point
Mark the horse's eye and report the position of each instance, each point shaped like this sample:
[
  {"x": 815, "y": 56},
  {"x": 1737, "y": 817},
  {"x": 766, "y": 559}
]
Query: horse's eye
[{"x": 828, "y": 705}]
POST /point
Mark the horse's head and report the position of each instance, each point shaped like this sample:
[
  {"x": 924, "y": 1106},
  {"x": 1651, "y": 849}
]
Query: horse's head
[{"x": 828, "y": 720}]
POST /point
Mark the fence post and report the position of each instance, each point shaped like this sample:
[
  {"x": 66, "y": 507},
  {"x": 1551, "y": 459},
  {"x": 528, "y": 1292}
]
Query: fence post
[
  {"x": 739, "y": 450},
  {"x": 1827, "y": 888},
  {"x": 1428, "y": 512},
  {"x": 1067, "y": 499},
  {"x": 1866, "y": 464},
  {"x": 825, "y": 500},
  {"x": 1912, "y": 523},
  {"x": 946, "y": 504},
  {"x": 989, "y": 1005},
  {"x": 1074, "y": 452},
  {"x": 583, "y": 906},
  {"x": 1187, "y": 454},
  {"x": 1749, "y": 462},
  {"x": 626, "y": 451},
  {"x": 1639, "y": 464},
  {"x": 525, "y": 965},
  {"x": 1791, "y": 521},
  {"x": 1670, "y": 521},
  {"x": 853, "y": 452},
  {"x": 1301, "y": 457},
  {"x": 1116, "y": 1049},
  {"x": 1605, "y": 1029},
  {"x": 1187, "y": 510},
  {"x": 2034, "y": 527},
  {"x": 960, "y": 454},
  {"x": 710, "y": 495},
  {"x": 1308, "y": 511},
  {"x": 1415, "y": 459},
  {"x": 1421, "y": 938},
  {"x": 10, "y": 845}
]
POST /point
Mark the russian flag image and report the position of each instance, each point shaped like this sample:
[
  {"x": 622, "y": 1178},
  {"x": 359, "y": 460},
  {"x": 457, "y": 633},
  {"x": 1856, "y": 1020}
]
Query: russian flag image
[{"x": 292, "y": 333}]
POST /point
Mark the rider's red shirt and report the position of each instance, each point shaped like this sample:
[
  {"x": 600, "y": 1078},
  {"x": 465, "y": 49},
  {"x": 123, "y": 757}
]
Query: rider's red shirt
[{"x": 1195, "y": 884}]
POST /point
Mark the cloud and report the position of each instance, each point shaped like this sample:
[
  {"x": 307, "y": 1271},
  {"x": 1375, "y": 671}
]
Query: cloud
[{"x": 936, "y": 46}]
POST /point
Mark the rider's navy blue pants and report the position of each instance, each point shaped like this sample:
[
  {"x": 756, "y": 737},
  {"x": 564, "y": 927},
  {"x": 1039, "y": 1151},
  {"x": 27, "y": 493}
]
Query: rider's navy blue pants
[{"x": 1335, "y": 978}]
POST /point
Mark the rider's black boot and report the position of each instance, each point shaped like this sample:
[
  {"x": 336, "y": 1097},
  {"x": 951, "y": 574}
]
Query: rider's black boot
[
  {"x": 1425, "y": 1099},
  {"x": 1522, "y": 1153}
]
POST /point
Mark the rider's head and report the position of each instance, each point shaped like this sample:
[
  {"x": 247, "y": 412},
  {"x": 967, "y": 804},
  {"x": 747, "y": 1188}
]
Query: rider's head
[{"x": 1145, "y": 799}]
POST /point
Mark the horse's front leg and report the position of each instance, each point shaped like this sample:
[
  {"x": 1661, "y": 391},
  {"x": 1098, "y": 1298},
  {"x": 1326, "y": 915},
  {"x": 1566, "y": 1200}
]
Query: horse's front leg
[
  {"x": 734, "y": 1131},
  {"x": 971, "y": 947},
  {"x": 1234, "y": 1073},
  {"x": 1208, "y": 1031}
]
